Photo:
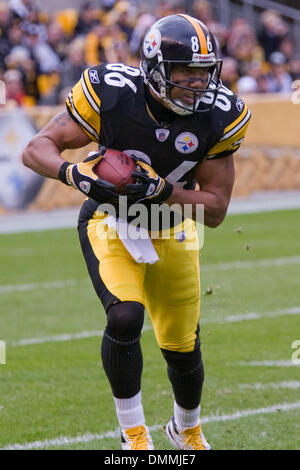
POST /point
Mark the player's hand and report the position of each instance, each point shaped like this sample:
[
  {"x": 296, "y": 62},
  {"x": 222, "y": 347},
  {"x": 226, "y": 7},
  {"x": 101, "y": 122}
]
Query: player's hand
[
  {"x": 82, "y": 177},
  {"x": 149, "y": 185}
]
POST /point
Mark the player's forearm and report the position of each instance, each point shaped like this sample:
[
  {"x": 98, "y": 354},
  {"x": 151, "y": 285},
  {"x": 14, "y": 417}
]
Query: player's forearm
[
  {"x": 43, "y": 156},
  {"x": 214, "y": 208}
]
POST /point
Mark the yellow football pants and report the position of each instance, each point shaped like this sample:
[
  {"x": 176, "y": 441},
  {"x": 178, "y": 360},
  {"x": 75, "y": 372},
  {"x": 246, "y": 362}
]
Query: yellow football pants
[{"x": 169, "y": 289}]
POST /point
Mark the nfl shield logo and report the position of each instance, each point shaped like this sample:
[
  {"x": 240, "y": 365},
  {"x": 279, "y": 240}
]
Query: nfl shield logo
[
  {"x": 162, "y": 134},
  {"x": 85, "y": 186}
]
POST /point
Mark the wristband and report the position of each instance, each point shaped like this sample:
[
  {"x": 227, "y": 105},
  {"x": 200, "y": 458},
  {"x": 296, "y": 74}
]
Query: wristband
[{"x": 62, "y": 173}]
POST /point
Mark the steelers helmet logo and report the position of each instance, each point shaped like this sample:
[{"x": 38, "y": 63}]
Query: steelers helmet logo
[
  {"x": 186, "y": 142},
  {"x": 152, "y": 43}
]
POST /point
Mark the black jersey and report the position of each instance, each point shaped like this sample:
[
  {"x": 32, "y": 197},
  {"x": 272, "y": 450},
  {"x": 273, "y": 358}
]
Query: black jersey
[{"x": 110, "y": 105}]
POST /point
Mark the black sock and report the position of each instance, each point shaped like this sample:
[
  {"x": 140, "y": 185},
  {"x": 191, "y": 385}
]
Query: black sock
[{"x": 123, "y": 365}]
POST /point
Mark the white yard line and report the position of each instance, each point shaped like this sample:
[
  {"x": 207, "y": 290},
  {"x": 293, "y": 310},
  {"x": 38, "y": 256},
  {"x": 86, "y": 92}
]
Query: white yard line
[
  {"x": 65, "y": 441},
  {"x": 57, "y": 338},
  {"x": 10, "y": 288},
  {"x": 281, "y": 363},
  {"x": 205, "y": 321},
  {"x": 286, "y": 384},
  {"x": 257, "y": 316},
  {"x": 253, "y": 412},
  {"x": 264, "y": 263},
  {"x": 63, "y": 337},
  {"x": 88, "y": 437}
]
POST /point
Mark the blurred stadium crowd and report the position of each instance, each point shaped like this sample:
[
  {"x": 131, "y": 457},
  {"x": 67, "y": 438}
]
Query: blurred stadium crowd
[{"x": 42, "y": 55}]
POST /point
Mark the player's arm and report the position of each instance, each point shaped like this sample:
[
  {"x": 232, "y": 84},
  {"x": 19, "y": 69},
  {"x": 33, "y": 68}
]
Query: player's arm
[
  {"x": 43, "y": 155},
  {"x": 215, "y": 173},
  {"x": 43, "y": 152},
  {"x": 73, "y": 129},
  {"x": 216, "y": 178}
]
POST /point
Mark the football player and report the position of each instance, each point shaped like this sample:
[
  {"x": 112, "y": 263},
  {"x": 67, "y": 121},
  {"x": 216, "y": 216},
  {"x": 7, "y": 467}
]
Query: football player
[{"x": 182, "y": 126}]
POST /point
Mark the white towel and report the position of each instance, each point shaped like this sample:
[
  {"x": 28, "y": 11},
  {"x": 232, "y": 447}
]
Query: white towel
[{"x": 136, "y": 240}]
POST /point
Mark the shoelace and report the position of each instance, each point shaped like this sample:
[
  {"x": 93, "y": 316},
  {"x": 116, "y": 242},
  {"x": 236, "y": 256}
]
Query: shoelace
[
  {"x": 138, "y": 438},
  {"x": 193, "y": 438}
]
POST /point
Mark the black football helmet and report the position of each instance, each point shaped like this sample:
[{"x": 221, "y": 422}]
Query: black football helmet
[{"x": 180, "y": 40}]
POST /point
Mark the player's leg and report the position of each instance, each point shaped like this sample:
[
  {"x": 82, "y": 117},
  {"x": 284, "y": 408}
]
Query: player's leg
[
  {"x": 173, "y": 300},
  {"x": 118, "y": 281},
  {"x": 123, "y": 363},
  {"x": 186, "y": 374}
]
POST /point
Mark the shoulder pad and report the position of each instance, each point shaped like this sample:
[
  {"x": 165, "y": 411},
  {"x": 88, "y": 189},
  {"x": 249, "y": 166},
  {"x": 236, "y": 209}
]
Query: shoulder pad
[
  {"x": 83, "y": 104},
  {"x": 230, "y": 118},
  {"x": 111, "y": 83}
]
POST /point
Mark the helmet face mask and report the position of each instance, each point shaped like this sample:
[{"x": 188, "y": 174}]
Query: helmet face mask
[{"x": 180, "y": 40}]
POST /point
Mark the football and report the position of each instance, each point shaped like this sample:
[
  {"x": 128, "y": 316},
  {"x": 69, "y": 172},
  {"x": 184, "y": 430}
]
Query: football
[{"x": 116, "y": 168}]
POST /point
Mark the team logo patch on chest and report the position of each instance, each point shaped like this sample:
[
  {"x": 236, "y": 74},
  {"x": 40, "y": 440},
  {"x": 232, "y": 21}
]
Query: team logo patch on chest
[
  {"x": 186, "y": 142},
  {"x": 162, "y": 134}
]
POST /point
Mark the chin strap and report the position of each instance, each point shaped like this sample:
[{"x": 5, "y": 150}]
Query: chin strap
[{"x": 171, "y": 104}]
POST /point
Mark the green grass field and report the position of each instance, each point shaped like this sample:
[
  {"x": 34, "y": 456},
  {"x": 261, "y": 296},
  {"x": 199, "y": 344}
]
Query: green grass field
[{"x": 54, "y": 387}]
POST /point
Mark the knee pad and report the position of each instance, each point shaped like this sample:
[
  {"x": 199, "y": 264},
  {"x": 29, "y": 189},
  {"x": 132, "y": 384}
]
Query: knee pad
[
  {"x": 125, "y": 321},
  {"x": 183, "y": 363},
  {"x": 186, "y": 374}
]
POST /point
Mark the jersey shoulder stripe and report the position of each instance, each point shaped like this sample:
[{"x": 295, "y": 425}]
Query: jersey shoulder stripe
[
  {"x": 237, "y": 124},
  {"x": 84, "y": 107},
  {"x": 230, "y": 145},
  {"x": 78, "y": 117},
  {"x": 89, "y": 91},
  {"x": 233, "y": 134}
]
